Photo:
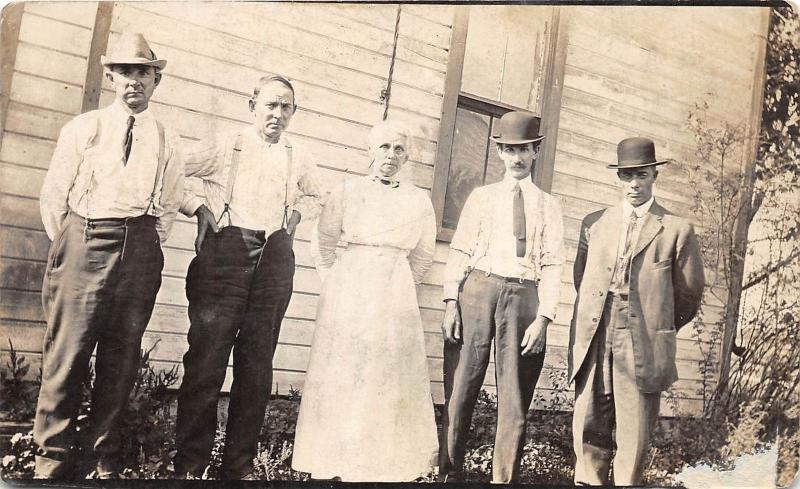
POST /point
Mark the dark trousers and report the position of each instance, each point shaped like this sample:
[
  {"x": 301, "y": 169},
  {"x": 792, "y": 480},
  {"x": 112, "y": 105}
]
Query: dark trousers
[
  {"x": 495, "y": 309},
  {"x": 99, "y": 289},
  {"x": 238, "y": 287},
  {"x": 606, "y": 396}
]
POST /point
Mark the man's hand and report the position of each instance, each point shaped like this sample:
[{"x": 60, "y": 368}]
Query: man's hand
[
  {"x": 291, "y": 226},
  {"x": 451, "y": 324},
  {"x": 535, "y": 339},
  {"x": 205, "y": 220}
]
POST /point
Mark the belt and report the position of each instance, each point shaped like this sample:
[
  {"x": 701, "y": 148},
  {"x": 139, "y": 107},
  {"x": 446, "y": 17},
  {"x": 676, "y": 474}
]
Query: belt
[
  {"x": 144, "y": 219},
  {"x": 618, "y": 295},
  {"x": 514, "y": 280}
]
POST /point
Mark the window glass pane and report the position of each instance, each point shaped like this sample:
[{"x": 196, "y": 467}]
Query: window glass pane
[
  {"x": 495, "y": 168},
  {"x": 467, "y": 162}
]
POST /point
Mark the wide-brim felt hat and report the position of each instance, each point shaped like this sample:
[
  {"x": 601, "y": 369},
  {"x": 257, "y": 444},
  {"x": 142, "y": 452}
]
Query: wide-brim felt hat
[
  {"x": 636, "y": 152},
  {"x": 517, "y": 127},
  {"x": 132, "y": 49}
]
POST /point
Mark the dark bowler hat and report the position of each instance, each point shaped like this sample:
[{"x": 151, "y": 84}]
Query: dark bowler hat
[
  {"x": 636, "y": 153},
  {"x": 132, "y": 49},
  {"x": 517, "y": 127}
]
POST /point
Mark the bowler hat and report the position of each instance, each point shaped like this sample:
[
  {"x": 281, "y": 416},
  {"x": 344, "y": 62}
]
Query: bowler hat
[
  {"x": 132, "y": 49},
  {"x": 636, "y": 152},
  {"x": 517, "y": 127}
]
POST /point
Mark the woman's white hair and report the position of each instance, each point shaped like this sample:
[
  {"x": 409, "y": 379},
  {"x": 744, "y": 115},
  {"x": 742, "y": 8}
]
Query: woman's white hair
[{"x": 391, "y": 126}]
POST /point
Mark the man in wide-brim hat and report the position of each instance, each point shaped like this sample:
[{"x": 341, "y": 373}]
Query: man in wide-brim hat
[
  {"x": 639, "y": 278},
  {"x": 109, "y": 199},
  {"x": 502, "y": 281}
]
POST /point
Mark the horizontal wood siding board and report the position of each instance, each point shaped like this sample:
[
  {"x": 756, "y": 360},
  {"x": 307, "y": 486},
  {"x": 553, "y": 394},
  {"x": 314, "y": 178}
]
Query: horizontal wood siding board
[
  {"x": 56, "y": 35},
  {"x": 80, "y": 14},
  {"x": 229, "y": 48},
  {"x": 225, "y": 20},
  {"x": 676, "y": 49},
  {"x": 41, "y": 92},
  {"x": 48, "y": 63},
  {"x": 644, "y": 83}
]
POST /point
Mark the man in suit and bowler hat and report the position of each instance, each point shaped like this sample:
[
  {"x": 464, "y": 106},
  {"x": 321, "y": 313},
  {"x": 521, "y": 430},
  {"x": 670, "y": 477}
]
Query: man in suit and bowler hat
[
  {"x": 502, "y": 282},
  {"x": 639, "y": 278},
  {"x": 110, "y": 196}
]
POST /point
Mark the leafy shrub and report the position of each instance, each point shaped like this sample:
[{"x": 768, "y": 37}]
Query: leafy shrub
[
  {"x": 17, "y": 395},
  {"x": 18, "y": 463}
]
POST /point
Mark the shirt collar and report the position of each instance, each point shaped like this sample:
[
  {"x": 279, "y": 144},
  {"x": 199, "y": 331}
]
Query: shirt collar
[
  {"x": 640, "y": 211},
  {"x": 526, "y": 184},
  {"x": 251, "y": 132},
  {"x": 118, "y": 111}
]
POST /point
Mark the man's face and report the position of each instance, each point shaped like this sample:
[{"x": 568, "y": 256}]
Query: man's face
[
  {"x": 273, "y": 108},
  {"x": 518, "y": 158},
  {"x": 388, "y": 151},
  {"x": 637, "y": 184},
  {"x": 133, "y": 84}
]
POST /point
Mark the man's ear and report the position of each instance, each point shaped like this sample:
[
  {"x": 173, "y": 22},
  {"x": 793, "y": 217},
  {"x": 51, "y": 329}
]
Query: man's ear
[
  {"x": 252, "y": 104},
  {"x": 655, "y": 173},
  {"x": 109, "y": 76},
  {"x": 158, "y": 77}
]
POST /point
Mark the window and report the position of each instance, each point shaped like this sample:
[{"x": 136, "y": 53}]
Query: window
[
  {"x": 473, "y": 159},
  {"x": 501, "y": 59}
]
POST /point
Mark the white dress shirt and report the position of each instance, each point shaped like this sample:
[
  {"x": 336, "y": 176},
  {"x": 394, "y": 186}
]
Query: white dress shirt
[
  {"x": 618, "y": 282},
  {"x": 484, "y": 240},
  {"x": 265, "y": 181},
  {"x": 88, "y": 177}
]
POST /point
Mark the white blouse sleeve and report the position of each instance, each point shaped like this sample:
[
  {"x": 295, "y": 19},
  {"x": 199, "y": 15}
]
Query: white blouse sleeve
[
  {"x": 421, "y": 257},
  {"x": 325, "y": 235}
]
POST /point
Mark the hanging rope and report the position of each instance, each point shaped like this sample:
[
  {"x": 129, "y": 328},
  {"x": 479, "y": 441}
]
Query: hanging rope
[{"x": 386, "y": 93}]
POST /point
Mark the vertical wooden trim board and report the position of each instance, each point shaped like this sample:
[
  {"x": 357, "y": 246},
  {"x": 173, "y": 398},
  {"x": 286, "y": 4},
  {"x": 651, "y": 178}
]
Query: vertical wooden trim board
[
  {"x": 94, "y": 70},
  {"x": 9, "y": 37},
  {"x": 553, "y": 86},
  {"x": 743, "y": 225},
  {"x": 452, "y": 87}
]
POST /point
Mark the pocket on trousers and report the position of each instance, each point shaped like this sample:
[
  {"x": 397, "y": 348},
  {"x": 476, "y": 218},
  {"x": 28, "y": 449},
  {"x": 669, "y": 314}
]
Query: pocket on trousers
[
  {"x": 663, "y": 264},
  {"x": 55, "y": 257}
]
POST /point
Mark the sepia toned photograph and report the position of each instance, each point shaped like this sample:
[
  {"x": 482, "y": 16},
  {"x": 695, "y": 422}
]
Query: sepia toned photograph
[{"x": 464, "y": 243}]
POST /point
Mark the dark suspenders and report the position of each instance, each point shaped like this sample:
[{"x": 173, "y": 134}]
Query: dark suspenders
[{"x": 233, "y": 156}]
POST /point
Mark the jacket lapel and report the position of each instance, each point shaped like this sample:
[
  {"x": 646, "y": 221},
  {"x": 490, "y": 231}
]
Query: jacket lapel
[
  {"x": 608, "y": 233},
  {"x": 652, "y": 225}
]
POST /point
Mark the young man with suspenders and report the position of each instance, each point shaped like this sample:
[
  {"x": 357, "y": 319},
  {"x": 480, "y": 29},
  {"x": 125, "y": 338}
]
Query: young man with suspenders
[
  {"x": 109, "y": 198},
  {"x": 239, "y": 284}
]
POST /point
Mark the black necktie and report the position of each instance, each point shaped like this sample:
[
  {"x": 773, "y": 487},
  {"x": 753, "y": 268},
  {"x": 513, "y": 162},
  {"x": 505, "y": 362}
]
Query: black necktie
[
  {"x": 128, "y": 139},
  {"x": 519, "y": 220}
]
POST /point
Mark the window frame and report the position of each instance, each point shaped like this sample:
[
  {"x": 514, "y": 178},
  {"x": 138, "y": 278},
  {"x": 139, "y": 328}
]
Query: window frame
[{"x": 453, "y": 97}]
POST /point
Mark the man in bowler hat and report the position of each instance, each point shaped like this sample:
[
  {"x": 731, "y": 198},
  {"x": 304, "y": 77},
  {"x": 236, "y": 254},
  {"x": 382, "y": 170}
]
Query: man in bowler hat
[
  {"x": 109, "y": 199},
  {"x": 639, "y": 278},
  {"x": 502, "y": 282}
]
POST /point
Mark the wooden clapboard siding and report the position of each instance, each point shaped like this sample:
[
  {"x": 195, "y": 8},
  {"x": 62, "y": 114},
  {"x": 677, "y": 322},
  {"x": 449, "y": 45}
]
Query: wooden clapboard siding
[
  {"x": 626, "y": 70},
  {"x": 633, "y": 72},
  {"x": 338, "y": 59},
  {"x": 45, "y": 92}
]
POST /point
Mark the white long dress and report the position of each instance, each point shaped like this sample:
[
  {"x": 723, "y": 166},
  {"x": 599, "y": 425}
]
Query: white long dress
[{"x": 366, "y": 412}]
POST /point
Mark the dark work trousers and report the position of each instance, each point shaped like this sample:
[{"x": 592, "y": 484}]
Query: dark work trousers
[
  {"x": 498, "y": 309},
  {"x": 99, "y": 289},
  {"x": 238, "y": 287}
]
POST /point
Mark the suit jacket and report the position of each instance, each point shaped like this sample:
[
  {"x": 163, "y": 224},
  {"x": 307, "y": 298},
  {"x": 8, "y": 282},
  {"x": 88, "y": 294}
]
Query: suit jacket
[{"x": 666, "y": 286}]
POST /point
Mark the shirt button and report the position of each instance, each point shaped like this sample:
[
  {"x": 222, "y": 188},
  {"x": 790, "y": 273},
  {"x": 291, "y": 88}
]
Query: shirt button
[
  {"x": 594, "y": 320},
  {"x": 608, "y": 268}
]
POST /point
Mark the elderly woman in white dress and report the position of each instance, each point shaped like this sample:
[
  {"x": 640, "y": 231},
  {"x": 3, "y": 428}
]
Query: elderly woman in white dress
[{"x": 366, "y": 412}]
